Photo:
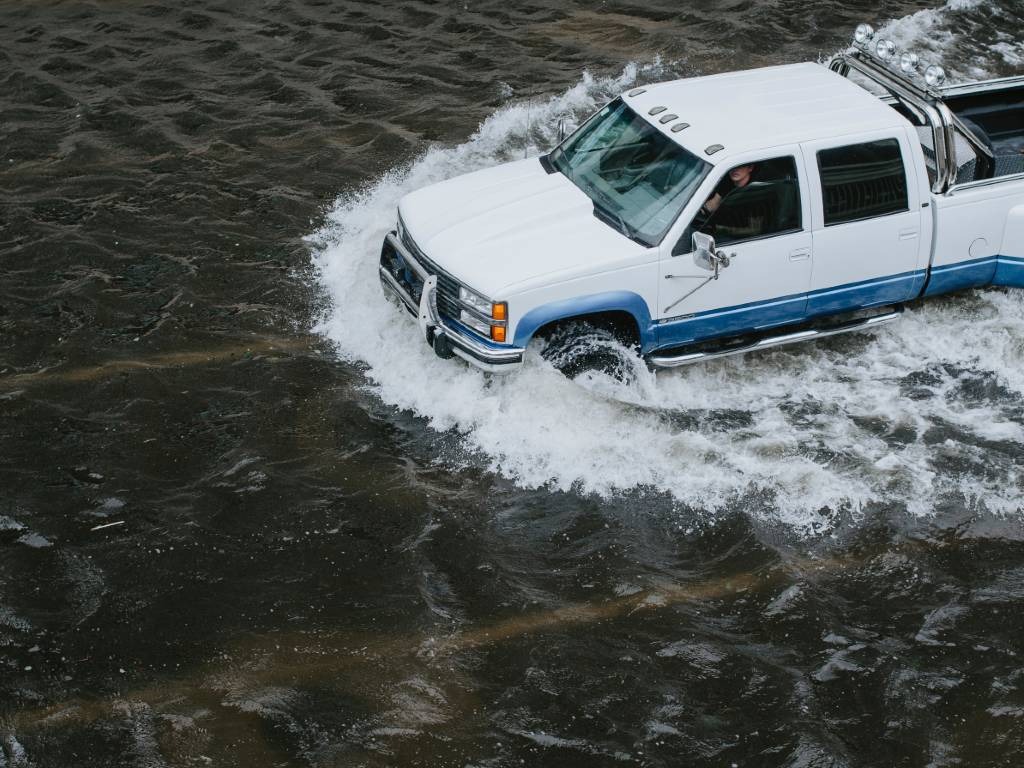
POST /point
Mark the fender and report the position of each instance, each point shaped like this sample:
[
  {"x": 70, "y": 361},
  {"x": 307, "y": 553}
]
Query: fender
[{"x": 611, "y": 301}]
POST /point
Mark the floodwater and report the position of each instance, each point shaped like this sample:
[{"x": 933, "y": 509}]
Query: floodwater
[{"x": 247, "y": 519}]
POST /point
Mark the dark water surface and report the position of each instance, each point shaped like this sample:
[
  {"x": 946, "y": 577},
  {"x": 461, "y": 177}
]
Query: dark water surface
[{"x": 226, "y": 539}]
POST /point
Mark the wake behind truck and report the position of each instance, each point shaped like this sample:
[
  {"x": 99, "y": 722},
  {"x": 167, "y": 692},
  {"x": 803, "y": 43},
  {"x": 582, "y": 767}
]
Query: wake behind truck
[{"x": 715, "y": 215}]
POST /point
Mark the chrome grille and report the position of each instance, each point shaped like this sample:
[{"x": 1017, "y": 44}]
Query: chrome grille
[{"x": 447, "y": 286}]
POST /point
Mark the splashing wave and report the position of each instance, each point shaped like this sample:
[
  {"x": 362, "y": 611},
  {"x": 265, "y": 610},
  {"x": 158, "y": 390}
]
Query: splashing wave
[{"x": 921, "y": 414}]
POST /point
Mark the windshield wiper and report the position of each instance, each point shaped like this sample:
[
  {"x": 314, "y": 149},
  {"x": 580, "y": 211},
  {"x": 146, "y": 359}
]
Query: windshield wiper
[
  {"x": 608, "y": 215},
  {"x": 603, "y": 211},
  {"x": 615, "y": 218}
]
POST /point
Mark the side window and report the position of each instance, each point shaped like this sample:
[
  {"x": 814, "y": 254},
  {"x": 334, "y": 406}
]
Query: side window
[
  {"x": 861, "y": 181},
  {"x": 750, "y": 202}
]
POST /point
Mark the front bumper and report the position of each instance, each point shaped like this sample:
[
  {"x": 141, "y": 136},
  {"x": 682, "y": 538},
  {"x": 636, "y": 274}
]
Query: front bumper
[{"x": 447, "y": 336}]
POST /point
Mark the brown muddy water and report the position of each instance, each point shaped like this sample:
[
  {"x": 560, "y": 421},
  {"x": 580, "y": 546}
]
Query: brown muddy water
[{"x": 247, "y": 520}]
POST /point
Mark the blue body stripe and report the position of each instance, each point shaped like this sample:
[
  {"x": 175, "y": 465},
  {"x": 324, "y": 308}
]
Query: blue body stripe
[
  {"x": 1009, "y": 272},
  {"x": 866, "y": 293},
  {"x": 757, "y": 315},
  {"x": 962, "y": 274},
  {"x": 720, "y": 322},
  {"x": 781, "y": 310}
]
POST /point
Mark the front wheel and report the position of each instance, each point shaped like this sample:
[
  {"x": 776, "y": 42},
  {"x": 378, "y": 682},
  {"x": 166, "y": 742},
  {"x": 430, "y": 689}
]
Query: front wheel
[{"x": 576, "y": 348}]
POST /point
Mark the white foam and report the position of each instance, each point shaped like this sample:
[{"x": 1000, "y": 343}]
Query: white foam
[
  {"x": 831, "y": 425},
  {"x": 1011, "y": 53},
  {"x": 928, "y": 28}
]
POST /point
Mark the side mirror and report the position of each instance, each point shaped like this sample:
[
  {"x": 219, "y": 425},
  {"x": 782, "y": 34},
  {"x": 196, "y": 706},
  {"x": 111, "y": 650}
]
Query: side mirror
[{"x": 704, "y": 255}]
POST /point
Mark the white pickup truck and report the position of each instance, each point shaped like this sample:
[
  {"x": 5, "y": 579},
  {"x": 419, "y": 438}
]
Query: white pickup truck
[{"x": 715, "y": 215}]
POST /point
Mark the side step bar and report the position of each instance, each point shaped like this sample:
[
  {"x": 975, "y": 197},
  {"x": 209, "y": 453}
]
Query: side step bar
[{"x": 673, "y": 361}]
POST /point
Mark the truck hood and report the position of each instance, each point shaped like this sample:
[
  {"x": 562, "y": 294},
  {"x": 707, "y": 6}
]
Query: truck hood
[{"x": 499, "y": 229}]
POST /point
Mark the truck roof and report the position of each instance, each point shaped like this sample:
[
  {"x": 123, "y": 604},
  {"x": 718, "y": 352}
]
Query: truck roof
[{"x": 761, "y": 108}]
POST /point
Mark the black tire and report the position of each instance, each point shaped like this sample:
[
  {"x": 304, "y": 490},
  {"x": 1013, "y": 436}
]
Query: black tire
[{"x": 578, "y": 347}]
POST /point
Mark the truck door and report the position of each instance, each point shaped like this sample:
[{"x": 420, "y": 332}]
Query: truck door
[
  {"x": 766, "y": 225},
  {"x": 869, "y": 248}
]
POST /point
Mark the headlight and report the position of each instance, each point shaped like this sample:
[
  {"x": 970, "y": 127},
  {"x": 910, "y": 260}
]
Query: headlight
[
  {"x": 489, "y": 318},
  {"x": 475, "y": 300},
  {"x": 474, "y": 322},
  {"x": 885, "y": 49}
]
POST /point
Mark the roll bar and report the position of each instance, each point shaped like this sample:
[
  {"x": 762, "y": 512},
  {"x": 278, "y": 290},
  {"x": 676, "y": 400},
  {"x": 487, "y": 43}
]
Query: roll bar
[{"x": 929, "y": 102}]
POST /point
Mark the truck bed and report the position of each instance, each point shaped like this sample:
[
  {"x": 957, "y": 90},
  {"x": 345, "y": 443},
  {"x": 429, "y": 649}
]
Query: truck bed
[{"x": 997, "y": 117}]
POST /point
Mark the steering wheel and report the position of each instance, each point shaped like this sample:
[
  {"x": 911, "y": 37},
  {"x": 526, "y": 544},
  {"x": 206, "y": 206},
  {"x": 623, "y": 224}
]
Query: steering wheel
[{"x": 625, "y": 176}]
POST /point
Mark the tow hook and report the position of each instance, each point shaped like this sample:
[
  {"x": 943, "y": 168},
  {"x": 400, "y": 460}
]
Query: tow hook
[
  {"x": 430, "y": 320},
  {"x": 442, "y": 348}
]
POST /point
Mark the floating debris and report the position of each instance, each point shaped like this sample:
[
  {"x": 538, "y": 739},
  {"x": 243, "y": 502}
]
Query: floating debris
[{"x": 106, "y": 525}]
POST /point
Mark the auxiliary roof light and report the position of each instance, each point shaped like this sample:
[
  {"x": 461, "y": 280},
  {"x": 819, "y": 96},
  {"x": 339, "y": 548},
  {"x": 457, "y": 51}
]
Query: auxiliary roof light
[
  {"x": 935, "y": 75},
  {"x": 909, "y": 62},
  {"x": 863, "y": 34},
  {"x": 886, "y": 51}
]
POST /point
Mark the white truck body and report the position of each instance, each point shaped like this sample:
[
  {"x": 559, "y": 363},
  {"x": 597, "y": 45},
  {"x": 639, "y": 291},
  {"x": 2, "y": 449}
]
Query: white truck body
[{"x": 519, "y": 247}]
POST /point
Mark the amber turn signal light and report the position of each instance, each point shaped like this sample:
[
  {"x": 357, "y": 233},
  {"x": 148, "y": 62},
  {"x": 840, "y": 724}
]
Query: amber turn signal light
[
  {"x": 499, "y": 311},
  {"x": 498, "y": 333}
]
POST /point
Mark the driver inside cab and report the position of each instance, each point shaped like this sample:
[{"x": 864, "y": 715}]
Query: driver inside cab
[
  {"x": 742, "y": 221},
  {"x": 752, "y": 200},
  {"x": 738, "y": 177}
]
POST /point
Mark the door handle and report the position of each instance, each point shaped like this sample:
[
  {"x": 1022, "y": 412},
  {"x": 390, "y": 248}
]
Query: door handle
[
  {"x": 800, "y": 254},
  {"x": 908, "y": 234}
]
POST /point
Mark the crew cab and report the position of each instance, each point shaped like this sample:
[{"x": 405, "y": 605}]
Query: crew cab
[{"x": 714, "y": 215}]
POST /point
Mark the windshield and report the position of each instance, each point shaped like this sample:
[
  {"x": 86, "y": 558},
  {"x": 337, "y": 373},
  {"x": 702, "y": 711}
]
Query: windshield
[{"x": 638, "y": 178}]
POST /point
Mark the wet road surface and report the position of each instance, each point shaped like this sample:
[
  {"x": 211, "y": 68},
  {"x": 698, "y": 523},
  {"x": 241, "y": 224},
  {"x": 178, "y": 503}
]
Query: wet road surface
[{"x": 246, "y": 521}]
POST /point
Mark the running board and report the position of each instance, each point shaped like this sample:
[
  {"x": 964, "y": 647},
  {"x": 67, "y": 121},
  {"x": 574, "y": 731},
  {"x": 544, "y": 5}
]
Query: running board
[{"x": 674, "y": 361}]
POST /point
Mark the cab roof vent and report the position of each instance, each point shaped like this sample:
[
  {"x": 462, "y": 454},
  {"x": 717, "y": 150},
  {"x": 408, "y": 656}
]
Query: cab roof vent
[
  {"x": 656, "y": 110},
  {"x": 637, "y": 91},
  {"x": 680, "y": 127},
  {"x": 667, "y": 118},
  {"x": 713, "y": 148}
]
